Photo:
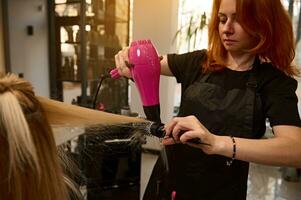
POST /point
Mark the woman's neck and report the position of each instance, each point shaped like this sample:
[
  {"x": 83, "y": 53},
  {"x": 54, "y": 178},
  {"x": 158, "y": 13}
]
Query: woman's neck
[{"x": 241, "y": 62}]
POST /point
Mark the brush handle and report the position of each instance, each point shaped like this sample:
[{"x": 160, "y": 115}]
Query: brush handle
[{"x": 157, "y": 129}]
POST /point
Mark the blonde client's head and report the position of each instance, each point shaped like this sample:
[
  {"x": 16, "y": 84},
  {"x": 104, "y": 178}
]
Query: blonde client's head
[{"x": 29, "y": 163}]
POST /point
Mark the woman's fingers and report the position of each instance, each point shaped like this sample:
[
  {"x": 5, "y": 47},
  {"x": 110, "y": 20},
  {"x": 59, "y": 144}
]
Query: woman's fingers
[
  {"x": 179, "y": 129},
  {"x": 122, "y": 62},
  {"x": 188, "y": 135},
  {"x": 168, "y": 128},
  {"x": 176, "y": 127},
  {"x": 183, "y": 129},
  {"x": 129, "y": 65},
  {"x": 117, "y": 62}
]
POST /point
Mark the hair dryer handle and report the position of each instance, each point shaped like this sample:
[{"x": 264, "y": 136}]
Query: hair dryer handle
[{"x": 115, "y": 74}]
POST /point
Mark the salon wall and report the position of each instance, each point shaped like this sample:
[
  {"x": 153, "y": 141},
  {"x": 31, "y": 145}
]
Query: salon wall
[
  {"x": 2, "y": 60},
  {"x": 156, "y": 20},
  {"x": 29, "y": 53}
]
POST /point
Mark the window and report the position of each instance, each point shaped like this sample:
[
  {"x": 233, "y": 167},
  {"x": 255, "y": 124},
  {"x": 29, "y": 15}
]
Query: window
[{"x": 193, "y": 15}]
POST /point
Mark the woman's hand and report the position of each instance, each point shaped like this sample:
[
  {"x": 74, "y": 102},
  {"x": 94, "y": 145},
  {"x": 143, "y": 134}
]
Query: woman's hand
[
  {"x": 122, "y": 62},
  {"x": 183, "y": 129}
]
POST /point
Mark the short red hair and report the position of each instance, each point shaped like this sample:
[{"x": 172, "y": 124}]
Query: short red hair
[{"x": 268, "y": 22}]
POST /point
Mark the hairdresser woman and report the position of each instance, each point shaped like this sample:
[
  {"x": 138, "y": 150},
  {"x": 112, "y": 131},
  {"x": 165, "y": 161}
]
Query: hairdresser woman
[{"x": 228, "y": 92}]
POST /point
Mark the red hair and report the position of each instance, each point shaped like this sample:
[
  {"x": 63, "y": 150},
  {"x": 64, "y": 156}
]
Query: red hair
[{"x": 270, "y": 25}]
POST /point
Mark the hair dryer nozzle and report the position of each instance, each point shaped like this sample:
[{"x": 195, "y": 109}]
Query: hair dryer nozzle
[{"x": 157, "y": 129}]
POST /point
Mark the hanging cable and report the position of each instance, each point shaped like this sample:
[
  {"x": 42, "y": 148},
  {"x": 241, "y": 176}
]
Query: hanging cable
[{"x": 102, "y": 78}]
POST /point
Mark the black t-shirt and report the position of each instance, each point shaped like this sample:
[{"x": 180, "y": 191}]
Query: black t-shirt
[
  {"x": 194, "y": 174},
  {"x": 277, "y": 90}
]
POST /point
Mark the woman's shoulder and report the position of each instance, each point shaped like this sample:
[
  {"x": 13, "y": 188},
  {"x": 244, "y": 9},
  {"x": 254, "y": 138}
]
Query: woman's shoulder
[
  {"x": 186, "y": 65},
  {"x": 278, "y": 94},
  {"x": 201, "y": 52},
  {"x": 270, "y": 77},
  {"x": 193, "y": 55}
]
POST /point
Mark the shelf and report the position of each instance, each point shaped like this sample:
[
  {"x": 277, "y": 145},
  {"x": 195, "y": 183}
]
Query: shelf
[
  {"x": 69, "y": 80},
  {"x": 75, "y": 20},
  {"x": 77, "y": 43},
  {"x": 69, "y": 2},
  {"x": 92, "y": 52},
  {"x": 79, "y": 81},
  {"x": 67, "y": 21}
]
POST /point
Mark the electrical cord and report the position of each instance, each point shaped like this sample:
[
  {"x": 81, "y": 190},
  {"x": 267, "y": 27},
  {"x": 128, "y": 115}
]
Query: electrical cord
[{"x": 102, "y": 78}]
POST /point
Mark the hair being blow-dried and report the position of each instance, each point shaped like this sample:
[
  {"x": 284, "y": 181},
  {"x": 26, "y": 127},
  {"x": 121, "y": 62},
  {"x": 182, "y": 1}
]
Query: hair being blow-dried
[
  {"x": 268, "y": 23},
  {"x": 29, "y": 163}
]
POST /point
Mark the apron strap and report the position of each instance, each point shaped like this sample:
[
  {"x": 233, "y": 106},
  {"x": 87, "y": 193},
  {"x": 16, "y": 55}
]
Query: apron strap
[
  {"x": 252, "y": 81},
  {"x": 204, "y": 77},
  {"x": 251, "y": 85}
]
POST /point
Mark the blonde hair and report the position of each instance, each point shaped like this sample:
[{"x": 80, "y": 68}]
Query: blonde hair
[
  {"x": 29, "y": 163},
  {"x": 30, "y": 167}
]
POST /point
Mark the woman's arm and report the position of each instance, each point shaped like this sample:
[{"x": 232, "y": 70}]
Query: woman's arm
[
  {"x": 283, "y": 149},
  {"x": 165, "y": 69}
]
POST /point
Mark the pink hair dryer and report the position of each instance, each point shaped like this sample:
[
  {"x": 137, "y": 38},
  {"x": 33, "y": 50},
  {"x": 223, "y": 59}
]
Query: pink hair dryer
[{"x": 146, "y": 74}]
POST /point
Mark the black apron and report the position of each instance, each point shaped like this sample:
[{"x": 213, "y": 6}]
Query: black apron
[{"x": 195, "y": 175}]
